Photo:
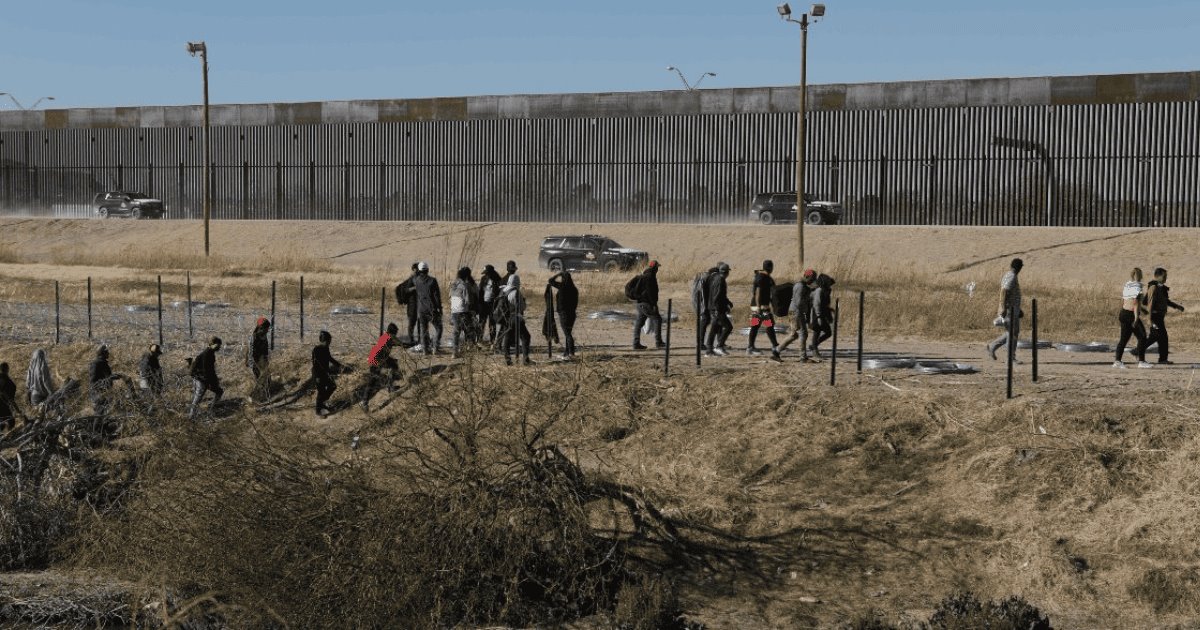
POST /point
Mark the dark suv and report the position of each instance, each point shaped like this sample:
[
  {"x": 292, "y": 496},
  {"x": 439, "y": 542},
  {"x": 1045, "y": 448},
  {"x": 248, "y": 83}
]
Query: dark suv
[
  {"x": 780, "y": 207},
  {"x": 134, "y": 205},
  {"x": 577, "y": 253}
]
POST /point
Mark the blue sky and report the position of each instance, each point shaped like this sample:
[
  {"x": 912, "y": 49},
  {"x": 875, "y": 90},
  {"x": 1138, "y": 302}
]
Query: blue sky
[{"x": 103, "y": 53}]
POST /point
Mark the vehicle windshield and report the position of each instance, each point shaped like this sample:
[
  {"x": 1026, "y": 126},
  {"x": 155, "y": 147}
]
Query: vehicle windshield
[
  {"x": 136, "y": 195},
  {"x": 611, "y": 244}
]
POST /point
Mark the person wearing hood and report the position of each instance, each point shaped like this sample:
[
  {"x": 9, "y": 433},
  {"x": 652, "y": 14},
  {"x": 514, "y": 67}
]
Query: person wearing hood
[
  {"x": 566, "y": 304},
  {"x": 204, "y": 377},
  {"x": 464, "y": 298},
  {"x": 822, "y": 312},
  {"x": 407, "y": 297},
  {"x": 150, "y": 376},
  {"x": 489, "y": 291},
  {"x": 8, "y": 400},
  {"x": 646, "y": 296},
  {"x": 761, "y": 291},
  {"x": 718, "y": 312},
  {"x": 801, "y": 308},
  {"x": 258, "y": 358},
  {"x": 429, "y": 308},
  {"x": 1158, "y": 300},
  {"x": 38, "y": 380},
  {"x": 700, "y": 304},
  {"x": 515, "y": 332},
  {"x": 100, "y": 380}
]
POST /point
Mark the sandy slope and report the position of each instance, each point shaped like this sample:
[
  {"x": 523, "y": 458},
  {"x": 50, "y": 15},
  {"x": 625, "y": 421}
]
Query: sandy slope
[{"x": 1062, "y": 255}]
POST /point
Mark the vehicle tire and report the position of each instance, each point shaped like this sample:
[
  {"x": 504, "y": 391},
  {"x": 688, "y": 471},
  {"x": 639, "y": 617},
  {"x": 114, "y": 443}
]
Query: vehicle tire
[
  {"x": 555, "y": 265},
  {"x": 136, "y": 214},
  {"x": 102, "y": 213},
  {"x": 766, "y": 217},
  {"x": 813, "y": 218},
  {"x": 612, "y": 266}
]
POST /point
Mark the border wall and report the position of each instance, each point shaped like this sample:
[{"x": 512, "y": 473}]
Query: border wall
[{"x": 1116, "y": 150}]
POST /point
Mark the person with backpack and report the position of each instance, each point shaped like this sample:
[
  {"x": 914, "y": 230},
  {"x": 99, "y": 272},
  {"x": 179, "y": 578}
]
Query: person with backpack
[
  {"x": 1130, "y": 319},
  {"x": 38, "y": 380},
  {"x": 204, "y": 377},
  {"x": 381, "y": 366},
  {"x": 406, "y": 296},
  {"x": 762, "y": 293},
  {"x": 150, "y": 376},
  {"x": 643, "y": 289},
  {"x": 324, "y": 366},
  {"x": 514, "y": 331},
  {"x": 720, "y": 326},
  {"x": 429, "y": 308},
  {"x": 1158, "y": 300},
  {"x": 100, "y": 381},
  {"x": 801, "y": 307},
  {"x": 699, "y": 291},
  {"x": 822, "y": 312},
  {"x": 258, "y": 358},
  {"x": 489, "y": 290},
  {"x": 566, "y": 305},
  {"x": 463, "y": 306}
]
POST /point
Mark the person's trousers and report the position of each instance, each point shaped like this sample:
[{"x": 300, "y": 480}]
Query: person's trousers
[
  {"x": 1131, "y": 327},
  {"x": 199, "y": 388},
  {"x": 379, "y": 377},
  {"x": 463, "y": 325},
  {"x": 758, "y": 322},
  {"x": 1158, "y": 333},
  {"x": 325, "y": 389},
  {"x": 412, "y": 323},
  {"x": 516, "y": 334},
  {"x": 799, "y": 331},
  {"x": 423, "y": 323},
  {"x": 567, "y": 321},
  {"x": 822, "y": 330},
  {"x": 262, "y": 380},
  {"x": 647, "y": 312},
  {"x": 487, "y": 323},
  {"x": 999, "y": 342},
  {"x": 719, "y": 329},
  {"x": 703, "y": 319}
]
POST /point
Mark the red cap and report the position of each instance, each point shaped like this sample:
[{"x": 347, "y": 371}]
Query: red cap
[
  {"x": 653, "y": 263},
  {"x": 809, "y": 273},
  {"x": 261, "y": 321}
]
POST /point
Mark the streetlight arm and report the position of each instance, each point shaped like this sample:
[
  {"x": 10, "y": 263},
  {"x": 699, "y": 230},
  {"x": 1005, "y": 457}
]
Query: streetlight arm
[
  {"x": 14, "y": 100},
  {"x": 682, "y": 78}
]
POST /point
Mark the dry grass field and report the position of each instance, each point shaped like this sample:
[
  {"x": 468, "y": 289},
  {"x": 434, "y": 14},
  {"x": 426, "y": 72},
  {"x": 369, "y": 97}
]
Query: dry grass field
[{"x": 740, "y": 494}]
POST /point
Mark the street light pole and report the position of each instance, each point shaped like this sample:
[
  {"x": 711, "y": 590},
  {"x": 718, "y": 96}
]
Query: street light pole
[
  {"x": 202, "y": 48},
  {"x": 22, "y": 107},
  {"x": 690, "y": 86},
  {"x": 785, "y": 12}
]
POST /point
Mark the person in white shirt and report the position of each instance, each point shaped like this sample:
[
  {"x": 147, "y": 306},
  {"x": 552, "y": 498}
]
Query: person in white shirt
[
  {"x": 1131, "y": 319},
  {"x": 1010, "y": 302}
]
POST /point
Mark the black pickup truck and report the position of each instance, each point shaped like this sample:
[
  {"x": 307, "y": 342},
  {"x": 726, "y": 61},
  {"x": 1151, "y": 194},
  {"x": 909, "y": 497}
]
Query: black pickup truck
[{"x": 133, "y": 205}]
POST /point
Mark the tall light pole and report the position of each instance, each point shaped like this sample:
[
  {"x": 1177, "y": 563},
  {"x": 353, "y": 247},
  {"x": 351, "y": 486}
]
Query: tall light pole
[
  {"x": 785, "y": 12},
  {"x": 690, "y": 86},
  {"x": 20, "y": 106},
  {"x": 193, "y": 48}
]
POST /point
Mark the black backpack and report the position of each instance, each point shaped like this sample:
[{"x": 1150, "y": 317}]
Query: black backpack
[
  {"x": 633, "y": 288},
  {"x": 196, "y": 367},
  {"x": 781, "y": 299}
]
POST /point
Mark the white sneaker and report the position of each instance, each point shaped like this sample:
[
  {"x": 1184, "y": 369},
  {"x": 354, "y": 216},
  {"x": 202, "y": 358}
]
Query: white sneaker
[
  {"x": 1119, "y": 365},
  {"x": 1145, "y": 365},
  {"x": 720, "y": 352}
]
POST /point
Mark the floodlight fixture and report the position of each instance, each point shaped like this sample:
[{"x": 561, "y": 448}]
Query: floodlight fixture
[
  {"x": 196, "y": 47},
  {"x": 818, "y": 10},
  {"x": 785, "y": 10}
]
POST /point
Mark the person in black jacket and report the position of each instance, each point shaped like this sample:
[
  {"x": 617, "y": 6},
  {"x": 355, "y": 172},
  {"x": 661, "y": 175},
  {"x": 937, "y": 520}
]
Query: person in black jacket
[
  {"x": 761, "y": 292},
  {"x": 566, "y": 305},
  {"x": 324, "y": 366},
  {"x": 490, "y": 284},
  {"x": 429, "y": 308},
  {"x": 8, "y": 399},
  {"x": 700, "y": 304},
  {"x": 647, "y": 307},
  {"x": 407, "y": 297},
  {"x": 258, "y": 358},
  {"x": 718, "y": 311},
  {"x": 204, "y": 377},
  {"x": 1158, "y": 300},
  {"x": 100, "y": 379},
  {"x": 822, "y": 312},
  {"x": 150, "y": 376}
]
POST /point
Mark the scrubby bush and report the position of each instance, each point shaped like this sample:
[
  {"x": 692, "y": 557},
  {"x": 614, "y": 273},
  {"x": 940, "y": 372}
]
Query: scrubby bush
[{"x": 964, "y": 611}]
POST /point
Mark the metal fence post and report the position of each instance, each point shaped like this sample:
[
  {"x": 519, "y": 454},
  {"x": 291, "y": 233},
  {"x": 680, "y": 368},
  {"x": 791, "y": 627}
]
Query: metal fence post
[
  {"x": 273, "y": 326},
  {"x": 189, "y": 303},
  {"x": 301, "y": 309},
  {"x": 833, "y": 356},
  {"x": 861, "y": 299},
  {"x": 1034, "y": 334},
  {"x": 699, "y": 337},
  {"x": 1012, "y": 344},
  {"x": 382, "y": 305},
  {"x": 89, "y": 307},
  {"x": 57, "y": 315},
  {"x": 667, "y": 353},
  {"x": 160, "y": 325}
]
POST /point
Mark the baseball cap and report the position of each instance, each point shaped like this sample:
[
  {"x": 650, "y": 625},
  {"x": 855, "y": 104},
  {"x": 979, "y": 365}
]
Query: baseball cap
[{"x": 422, "y": 266}]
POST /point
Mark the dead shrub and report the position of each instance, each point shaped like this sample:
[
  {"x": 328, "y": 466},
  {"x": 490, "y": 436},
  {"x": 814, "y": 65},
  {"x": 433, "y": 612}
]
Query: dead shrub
[
  {"x": 964, "y": 611},
  {"x": 647, "y": 602},
  {"x": 32, "y": 528}
]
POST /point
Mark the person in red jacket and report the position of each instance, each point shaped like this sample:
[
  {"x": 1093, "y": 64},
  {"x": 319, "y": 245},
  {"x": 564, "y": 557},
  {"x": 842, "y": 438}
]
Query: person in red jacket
[{"x": 382, "y": 367}]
